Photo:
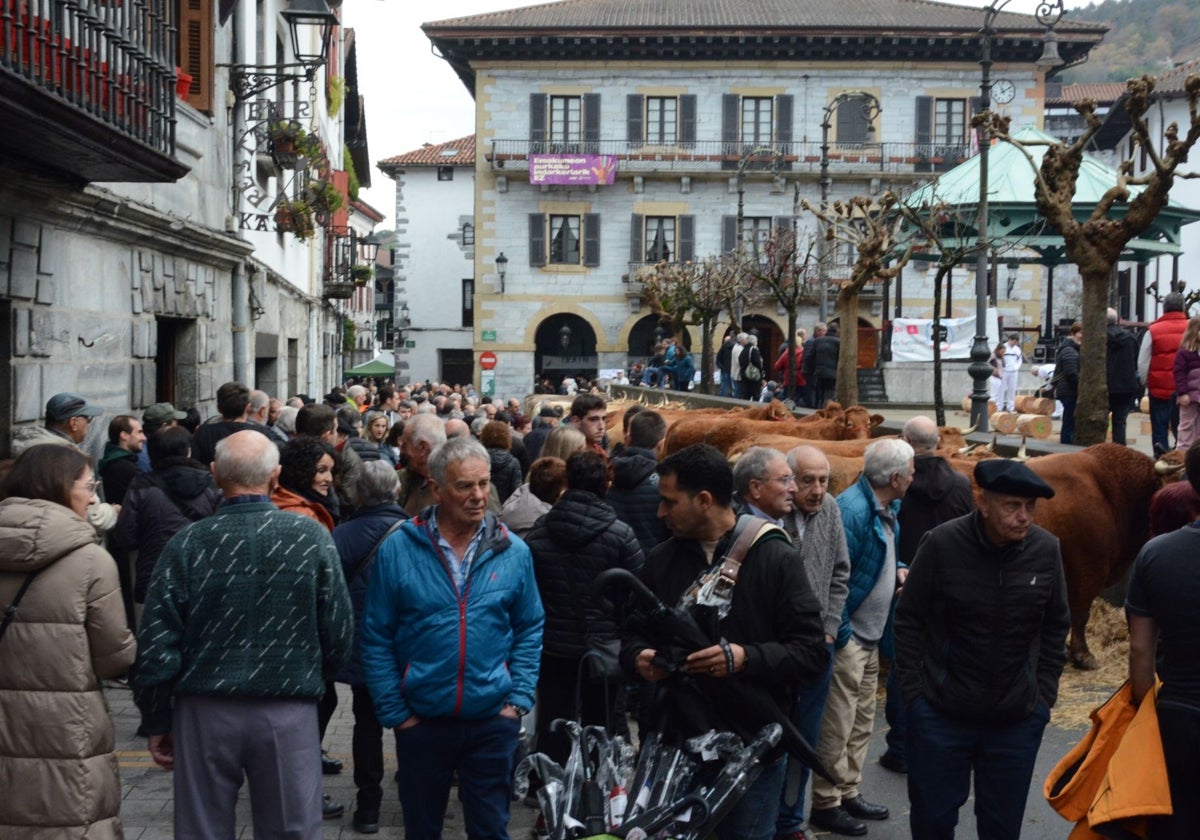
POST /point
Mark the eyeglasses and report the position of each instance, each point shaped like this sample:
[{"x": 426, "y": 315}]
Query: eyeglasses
[
  {"x": 89, "y": 484},
  {"x": 784, "y": 480}
]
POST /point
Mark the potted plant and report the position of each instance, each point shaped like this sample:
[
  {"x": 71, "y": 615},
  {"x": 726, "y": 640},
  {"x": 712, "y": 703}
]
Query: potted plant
[
  {"x": 323, "y": 196},
  {"x": 294, "y": 217},
  {"x": 361, "y": 274},
  {"x": 286, "y": 138}
]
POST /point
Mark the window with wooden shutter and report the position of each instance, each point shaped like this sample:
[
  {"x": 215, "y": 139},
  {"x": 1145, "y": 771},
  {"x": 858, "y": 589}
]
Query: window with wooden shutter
[
  {"x": 591, "y": 239},
  {"x": 537, "y": 122},
  {"x": 537, "y": 239},
  {"x": 687, "y": 238},
  {"x": 635, "y": 237},
  {"x": 591, "y": 123},
  {"x": 634, "y": 119},
  {"x": 728, "y": 234},
  {"x": 195, "y": 50},
  {"x": 687, "y": 119},
  {"x": 783, "y": 121}
]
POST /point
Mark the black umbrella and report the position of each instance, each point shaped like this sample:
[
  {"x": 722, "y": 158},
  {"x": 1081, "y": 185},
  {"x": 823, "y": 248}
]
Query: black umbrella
[{"x": 746, "y": 708}]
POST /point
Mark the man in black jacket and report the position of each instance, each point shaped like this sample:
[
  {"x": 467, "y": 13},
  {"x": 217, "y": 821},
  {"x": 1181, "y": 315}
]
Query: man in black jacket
[
  {"x": 824, "y": 352},
  {"x": 1122, "y": 375},
  {"x": 1066, "y": 381},
  {"x": 634, "y": 492},
  {"x": 980, "y": 635},
  {"x": 769, "y": 627}
]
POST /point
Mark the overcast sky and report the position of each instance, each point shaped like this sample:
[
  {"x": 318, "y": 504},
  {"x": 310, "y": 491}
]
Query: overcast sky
[{"x": 413, "y": 97}]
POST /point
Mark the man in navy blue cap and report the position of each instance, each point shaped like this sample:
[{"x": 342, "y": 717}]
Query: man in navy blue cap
[{"x": 980, "y": 635}]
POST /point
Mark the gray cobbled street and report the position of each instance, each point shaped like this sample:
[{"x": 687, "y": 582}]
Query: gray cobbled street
[{"x": 146, "y": 810}]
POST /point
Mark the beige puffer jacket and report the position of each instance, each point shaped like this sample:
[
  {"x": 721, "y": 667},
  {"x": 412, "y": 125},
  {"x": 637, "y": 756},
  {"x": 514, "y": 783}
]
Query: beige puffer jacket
[{"x": 57, "y": 764}]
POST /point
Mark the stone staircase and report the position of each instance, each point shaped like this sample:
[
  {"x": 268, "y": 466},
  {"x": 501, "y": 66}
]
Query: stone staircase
[{"x": 871, "y": 387}]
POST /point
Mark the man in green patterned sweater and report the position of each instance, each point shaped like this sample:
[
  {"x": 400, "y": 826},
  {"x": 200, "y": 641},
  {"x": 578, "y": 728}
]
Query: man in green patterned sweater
[{"x": 246, "y": 618}]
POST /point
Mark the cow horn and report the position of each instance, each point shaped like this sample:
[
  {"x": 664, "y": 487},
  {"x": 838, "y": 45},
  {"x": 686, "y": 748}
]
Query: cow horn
[
  {"x": 1021, "y": 454},
  {"x": 991, "y": 447},
  {"x": 973, "y": 428},
  {"x": 1161, "y": 467},
  {"x": 968, "y": 449}
]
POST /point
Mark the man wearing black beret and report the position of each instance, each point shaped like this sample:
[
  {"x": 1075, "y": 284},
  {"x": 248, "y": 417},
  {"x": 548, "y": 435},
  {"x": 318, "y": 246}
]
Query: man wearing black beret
[{"x": 980, "y": 634}]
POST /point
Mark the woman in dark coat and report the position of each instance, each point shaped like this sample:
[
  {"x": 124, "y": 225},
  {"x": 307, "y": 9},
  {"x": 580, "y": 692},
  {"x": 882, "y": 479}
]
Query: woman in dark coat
[
  {"x": 496, "y": 437},
  {"x": 579, "y": 538},
  {"x": 356, "y": 540},
  {"x": 159, "y": 504}
]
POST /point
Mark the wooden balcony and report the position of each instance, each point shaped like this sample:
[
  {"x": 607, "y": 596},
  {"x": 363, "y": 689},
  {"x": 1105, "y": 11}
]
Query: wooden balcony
[{"x": 87, "y": 89}]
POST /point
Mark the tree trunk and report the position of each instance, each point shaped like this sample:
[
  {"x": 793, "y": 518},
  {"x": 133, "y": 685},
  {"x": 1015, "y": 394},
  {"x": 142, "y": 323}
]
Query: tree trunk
[
  {"x": 939, "y": 401},
  {"x": 1091, "y": 412},
  {"x": 706, "y": 356},
  {"x": 847, "y": 369}
]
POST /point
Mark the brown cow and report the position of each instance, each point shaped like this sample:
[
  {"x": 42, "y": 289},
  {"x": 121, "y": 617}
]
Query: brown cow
[
  {"x": 1101, "y": 516},
  {"x": 856, "y": 424}
]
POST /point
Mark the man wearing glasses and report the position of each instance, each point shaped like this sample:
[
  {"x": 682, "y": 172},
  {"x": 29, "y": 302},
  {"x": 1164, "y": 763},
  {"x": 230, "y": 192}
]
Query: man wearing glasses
[{"x": 764, "y": 483}]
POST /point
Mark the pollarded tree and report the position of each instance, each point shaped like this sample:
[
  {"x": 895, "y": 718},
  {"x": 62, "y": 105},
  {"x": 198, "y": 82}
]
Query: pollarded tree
[
  {"x": 871, "y": 227},
  {"x": 785, "y": 272},
  {"x": 1095, "y": 243},
  {"x": 696, "y": 294}
]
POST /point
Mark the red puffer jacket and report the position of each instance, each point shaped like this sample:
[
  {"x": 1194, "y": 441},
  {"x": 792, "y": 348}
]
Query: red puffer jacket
[{"x": 1165, "y": 336}]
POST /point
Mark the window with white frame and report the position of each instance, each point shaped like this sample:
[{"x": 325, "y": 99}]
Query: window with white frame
[
  {"x": 566, "y": 119},
  {"x": 660, "y": 239},
  {"x": 757, "y": 119},
  {"x": 662, "y": 120},
  {"x": 950, "y": 122},
  {"x": 564, "y": 240}
]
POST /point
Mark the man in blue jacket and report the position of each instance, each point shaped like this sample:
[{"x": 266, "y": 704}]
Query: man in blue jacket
[
  {"x": 869, "y": 511},
  {"x": 451, "y": 645}
]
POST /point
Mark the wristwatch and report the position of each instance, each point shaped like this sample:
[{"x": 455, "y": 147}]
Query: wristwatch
[{"x": 520, "y": 710}]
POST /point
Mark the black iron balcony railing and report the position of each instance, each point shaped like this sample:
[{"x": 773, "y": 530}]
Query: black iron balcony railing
[
  {"x": 715, "y": 155},
  {"x": 108, "y": 61}
]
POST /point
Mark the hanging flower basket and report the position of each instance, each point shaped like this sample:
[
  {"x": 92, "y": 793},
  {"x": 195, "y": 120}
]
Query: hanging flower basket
[
  {"x": 287, "y": 140},
  {"x": 294, "y": 217},
  {"x": 323, "y": 196},
  {"x": 361, "y": 274}
]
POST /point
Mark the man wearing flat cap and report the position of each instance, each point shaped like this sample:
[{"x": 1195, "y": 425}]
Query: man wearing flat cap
[{"x": 980, "y": 635}]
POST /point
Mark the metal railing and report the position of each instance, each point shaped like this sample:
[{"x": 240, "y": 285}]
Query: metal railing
[
  {"x": 113, "y": 59},
  {"x": 716, "y": 155}
]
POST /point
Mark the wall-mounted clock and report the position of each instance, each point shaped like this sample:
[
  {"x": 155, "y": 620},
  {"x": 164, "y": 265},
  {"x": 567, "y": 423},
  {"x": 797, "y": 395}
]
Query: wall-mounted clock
[{"x": 1003, "y": 91}]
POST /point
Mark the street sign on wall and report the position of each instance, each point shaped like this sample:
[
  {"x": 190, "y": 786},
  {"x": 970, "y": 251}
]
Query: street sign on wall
[
  {"x": 487, "y": 335},
  {"x": 487, "y": 360},
  {"x": 487, "y": 383}
]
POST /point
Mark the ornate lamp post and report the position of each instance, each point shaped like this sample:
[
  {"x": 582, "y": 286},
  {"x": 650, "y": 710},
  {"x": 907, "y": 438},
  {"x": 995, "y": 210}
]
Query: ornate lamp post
[
  {"x": 1048, "y": 14},
  {"x": 501, "y": 269},
  {"x": 871, "y": 109}
]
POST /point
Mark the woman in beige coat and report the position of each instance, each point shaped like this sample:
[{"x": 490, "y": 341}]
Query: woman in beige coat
[{"x": 58, "y": 767}]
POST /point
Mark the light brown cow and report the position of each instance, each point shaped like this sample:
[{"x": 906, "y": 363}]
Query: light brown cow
[{"x": 855, "y": 424}]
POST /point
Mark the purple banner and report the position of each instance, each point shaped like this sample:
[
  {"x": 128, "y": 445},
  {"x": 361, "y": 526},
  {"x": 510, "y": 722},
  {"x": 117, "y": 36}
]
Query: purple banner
[{"x": 572, "y": 169}]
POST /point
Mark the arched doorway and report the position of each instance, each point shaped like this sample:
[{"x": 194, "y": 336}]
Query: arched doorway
[
  {"x": 648, "y": 332},
  {"x": 565, "y": 346},
  {"x": 868, "y": 342},
  {"x": 770, "y": 339}
]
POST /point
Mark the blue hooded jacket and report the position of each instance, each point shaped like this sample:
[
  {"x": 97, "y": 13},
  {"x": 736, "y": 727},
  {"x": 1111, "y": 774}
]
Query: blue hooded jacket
[
  {"x": 868, "y": 551},
  {"x": 429, "y": 650}
]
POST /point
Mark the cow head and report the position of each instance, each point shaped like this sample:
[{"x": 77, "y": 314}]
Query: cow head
[
  {"x": 1169, "y": 465},
  {"x": 856, "y": 423},
  {"x": 778, "y": 411}
]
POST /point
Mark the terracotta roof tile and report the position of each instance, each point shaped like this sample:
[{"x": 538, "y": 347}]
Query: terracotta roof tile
[
  {"x": 1172, "y": 81},
  {"x": 755, "y": 14},
  {"x": 1102, "y": 92},
  {"x": 460, "y": 152}
]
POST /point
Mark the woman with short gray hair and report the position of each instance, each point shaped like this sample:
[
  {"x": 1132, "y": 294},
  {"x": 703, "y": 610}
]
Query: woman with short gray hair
[{"x": 357, "y": 540}]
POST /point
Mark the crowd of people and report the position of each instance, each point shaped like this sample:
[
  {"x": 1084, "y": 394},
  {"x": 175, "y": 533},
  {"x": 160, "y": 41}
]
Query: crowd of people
[{"x": 435, "y": 551}]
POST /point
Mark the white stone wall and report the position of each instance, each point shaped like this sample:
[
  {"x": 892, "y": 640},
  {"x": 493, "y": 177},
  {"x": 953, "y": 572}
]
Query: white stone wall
[{"x": 433, "y": 261}]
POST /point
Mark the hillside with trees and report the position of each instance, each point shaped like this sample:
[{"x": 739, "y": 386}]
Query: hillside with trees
[{"x": 1146, "y": 36}]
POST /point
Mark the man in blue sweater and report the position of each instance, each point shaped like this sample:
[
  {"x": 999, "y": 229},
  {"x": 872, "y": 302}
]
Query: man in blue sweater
[
  {"x": 246, "y": 618},
  {"x": 451, "y": 647}
]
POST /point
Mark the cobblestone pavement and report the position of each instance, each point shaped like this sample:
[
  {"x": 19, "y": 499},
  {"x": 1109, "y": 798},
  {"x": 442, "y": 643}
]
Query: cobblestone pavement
[{"x": 146, "y": 807}]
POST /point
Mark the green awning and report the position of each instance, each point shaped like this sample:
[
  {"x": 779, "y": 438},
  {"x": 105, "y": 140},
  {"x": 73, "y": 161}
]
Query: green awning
[{"x": 382, "y": 365}]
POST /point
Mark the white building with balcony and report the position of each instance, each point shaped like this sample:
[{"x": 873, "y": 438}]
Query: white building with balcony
[
  {"x": 141, "y": 256},
  {"x": 611, "y": 134}
]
